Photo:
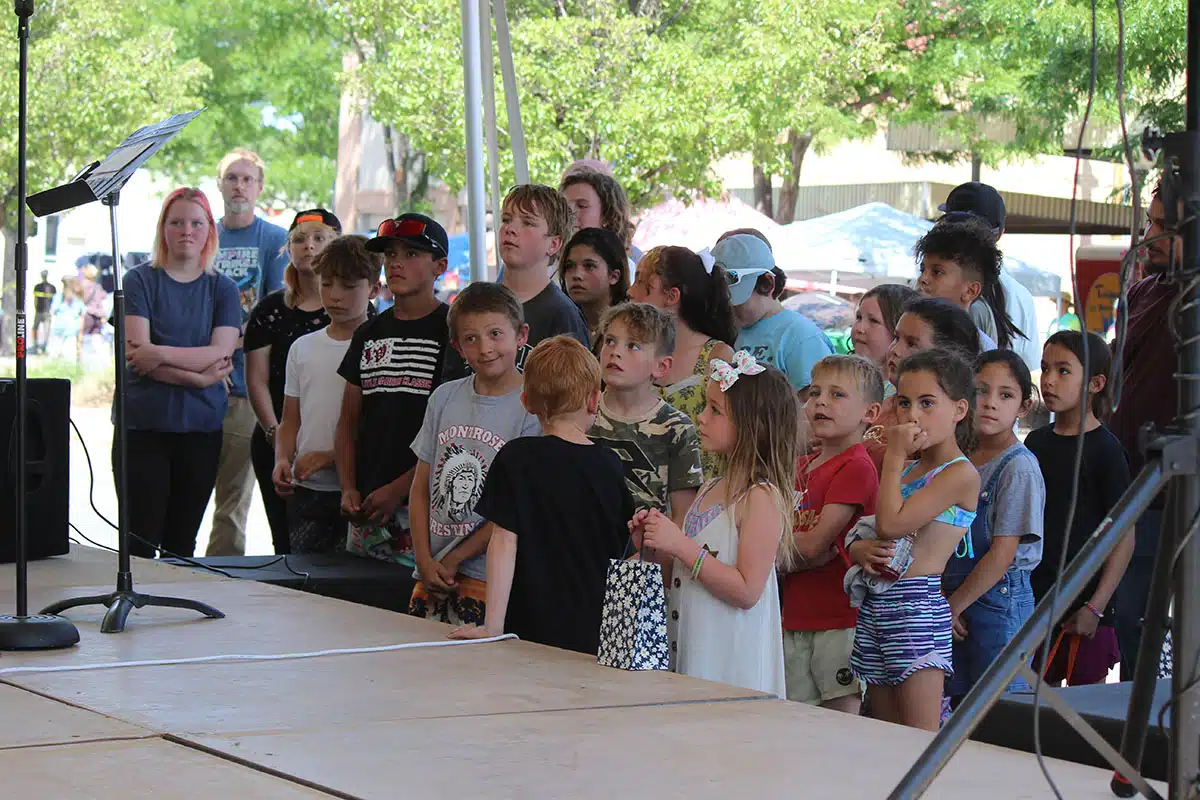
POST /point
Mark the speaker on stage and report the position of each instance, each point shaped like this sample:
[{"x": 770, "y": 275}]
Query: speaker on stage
[{"x": 48, "y": 447}]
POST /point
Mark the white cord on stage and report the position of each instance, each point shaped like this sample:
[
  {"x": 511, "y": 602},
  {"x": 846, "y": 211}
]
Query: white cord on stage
[{"x": 162, "y": 662}]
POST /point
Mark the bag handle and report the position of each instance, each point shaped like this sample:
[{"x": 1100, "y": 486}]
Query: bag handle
[{"x": 1072, "y": 652}]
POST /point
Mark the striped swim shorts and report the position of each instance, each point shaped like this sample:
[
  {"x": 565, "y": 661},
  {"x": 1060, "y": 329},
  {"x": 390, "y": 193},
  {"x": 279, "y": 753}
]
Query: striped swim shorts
[{"x": 905, "y": 629}]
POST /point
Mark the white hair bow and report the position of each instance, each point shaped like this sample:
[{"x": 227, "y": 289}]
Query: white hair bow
[{"x": 726, "y": 374}]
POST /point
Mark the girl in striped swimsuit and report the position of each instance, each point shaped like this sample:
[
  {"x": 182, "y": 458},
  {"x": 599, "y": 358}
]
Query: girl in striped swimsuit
[{"x": 903, "y": 642}]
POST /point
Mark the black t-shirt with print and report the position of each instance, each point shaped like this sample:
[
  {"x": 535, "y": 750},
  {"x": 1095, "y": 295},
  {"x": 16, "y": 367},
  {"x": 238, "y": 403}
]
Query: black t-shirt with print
[
  {"x": 569, "y": 507},
  {"x": 549, "y": 313},
  {"x": 273, "y": 324},
  {"x": 397, "y": 364}
]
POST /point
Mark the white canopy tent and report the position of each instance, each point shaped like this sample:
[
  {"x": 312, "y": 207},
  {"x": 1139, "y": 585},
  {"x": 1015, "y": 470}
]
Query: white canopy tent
[{"x": 869, "y": 244}]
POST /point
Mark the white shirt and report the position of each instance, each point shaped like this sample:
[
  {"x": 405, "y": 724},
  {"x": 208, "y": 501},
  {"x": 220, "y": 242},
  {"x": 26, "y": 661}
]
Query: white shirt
[
  {"x": 312, "y": 376},
  {"x": 1018, "y": 302}
]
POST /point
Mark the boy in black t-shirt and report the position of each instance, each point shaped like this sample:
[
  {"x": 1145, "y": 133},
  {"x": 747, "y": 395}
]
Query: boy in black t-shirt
[
  {"x": 559, "y": 508},
  {"x": 535, "y": 222},
  {"x": 392, "y": 366}
]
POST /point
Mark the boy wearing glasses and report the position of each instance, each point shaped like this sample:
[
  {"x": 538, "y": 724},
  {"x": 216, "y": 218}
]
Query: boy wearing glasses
[
  {"x": 391, "y": 368},
  {"x": 535, "y": 222},
  {"x": 252, "y": 254}
]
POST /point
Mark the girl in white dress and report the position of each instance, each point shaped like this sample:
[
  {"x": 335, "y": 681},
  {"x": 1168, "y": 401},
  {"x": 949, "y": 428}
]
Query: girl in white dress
[{"x": 720, "y": 569}]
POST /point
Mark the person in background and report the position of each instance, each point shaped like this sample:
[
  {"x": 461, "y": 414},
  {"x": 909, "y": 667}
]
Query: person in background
[
  {"x": 534, "y": 223},
  {"x": 466, "y": 423},
  {"x": 593, "y": 272},
  {"x": 97, "y": 306},
  {"x": 304, "y": 472},
  {"x": 835, "y": 488},
  {"x": 559, "y": 510},
  {"x": 1148, "y": 395},
  {"x": 392, "y": 366},
  {"x": 785, "y": 339},
  {"x": 874, "y": 326},
  {"x": 598, "y": 201},
  {"x": 958, "y": 262},
  {"x": 1087, "y": 625},
  {"x": 252, "y": 254},
  {"x": 66, "y": 327},
  {"x": 278, "y": 320},
  {"x": 927, "y": 323},
  {"x": 984, "y": 202},
  {"x": 182, "y": 323},
  {"x": 43, "y": 301},
  {"x": 986, "y": 581},
  {"x": 695, "y": 291}
]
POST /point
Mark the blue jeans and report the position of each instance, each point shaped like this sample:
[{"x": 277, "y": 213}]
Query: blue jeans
[{"x": 991, "y": 621}]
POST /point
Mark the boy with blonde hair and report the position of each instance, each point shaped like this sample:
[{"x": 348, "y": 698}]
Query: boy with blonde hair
[
  {"x": 559, "y": 510},
  {"x": 657, "y": 443},
  {"x": 535, "y": 222},
  {"x": 466, "y": 423},
  {"x": 834, "y": 488}
]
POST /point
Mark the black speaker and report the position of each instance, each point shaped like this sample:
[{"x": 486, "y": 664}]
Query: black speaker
[{"x": 47, "y": 451}]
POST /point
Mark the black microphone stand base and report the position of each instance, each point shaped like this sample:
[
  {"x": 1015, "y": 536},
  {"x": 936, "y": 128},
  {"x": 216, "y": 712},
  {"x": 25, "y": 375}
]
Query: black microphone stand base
[
  {"x": 36, "y": 632},
  {"x": 124, "y": 600}
]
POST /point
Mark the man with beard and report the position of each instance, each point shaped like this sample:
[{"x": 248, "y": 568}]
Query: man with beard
[
  {"x": 252, "y": 254},
  {"x": 1148, "y": 394}
]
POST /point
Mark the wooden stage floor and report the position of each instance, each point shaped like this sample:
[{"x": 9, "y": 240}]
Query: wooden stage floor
[{"x": 501, "y": 720}]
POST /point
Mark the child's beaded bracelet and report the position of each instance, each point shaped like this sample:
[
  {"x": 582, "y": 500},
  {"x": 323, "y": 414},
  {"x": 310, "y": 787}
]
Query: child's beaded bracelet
[{"x": 1094, "y": 610}]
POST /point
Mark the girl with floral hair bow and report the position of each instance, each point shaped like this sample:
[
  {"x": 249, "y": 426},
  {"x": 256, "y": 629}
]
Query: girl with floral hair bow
[{"x": 724, "y": 623}]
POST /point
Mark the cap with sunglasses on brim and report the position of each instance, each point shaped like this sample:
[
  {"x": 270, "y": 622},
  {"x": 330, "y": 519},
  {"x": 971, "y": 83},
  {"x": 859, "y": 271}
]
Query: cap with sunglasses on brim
[
  {"x": 414, "y": 230},
  {"x": 744, "y": 257},
  {"x": 316, "y": 215},
  {"x": 979, "y": 200}
]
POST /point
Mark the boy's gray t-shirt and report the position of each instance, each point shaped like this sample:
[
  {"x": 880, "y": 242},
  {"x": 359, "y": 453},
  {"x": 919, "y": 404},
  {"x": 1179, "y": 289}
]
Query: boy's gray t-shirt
[
  {"x": 1018, "y": 503},
  {"x": 461, "y": 434}
]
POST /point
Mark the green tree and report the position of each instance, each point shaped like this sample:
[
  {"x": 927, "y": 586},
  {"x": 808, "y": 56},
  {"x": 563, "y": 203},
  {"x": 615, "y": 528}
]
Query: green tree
[
  {"x": 612, "y": 79},
  {"x": 273, "y": 87},
  {"x": 95, "y": 75}
]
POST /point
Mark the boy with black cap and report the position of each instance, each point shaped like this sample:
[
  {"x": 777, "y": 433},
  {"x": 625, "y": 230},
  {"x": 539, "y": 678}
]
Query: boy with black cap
[
  {"x": 983, "y": 201},
  {"x": 392, "y": 366}
]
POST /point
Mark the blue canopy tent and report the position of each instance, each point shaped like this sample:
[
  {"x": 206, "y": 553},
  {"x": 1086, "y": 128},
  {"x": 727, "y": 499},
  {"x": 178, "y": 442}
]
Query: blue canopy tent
[{"x": 871, "y": 244}]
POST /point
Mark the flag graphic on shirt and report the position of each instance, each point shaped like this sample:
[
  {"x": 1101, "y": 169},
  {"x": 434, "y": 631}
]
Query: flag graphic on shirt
[{"x": 399, "y": 365}]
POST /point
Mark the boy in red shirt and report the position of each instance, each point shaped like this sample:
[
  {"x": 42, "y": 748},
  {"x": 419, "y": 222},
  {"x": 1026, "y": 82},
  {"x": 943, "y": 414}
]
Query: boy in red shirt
[{"x": 834, "y": 487}]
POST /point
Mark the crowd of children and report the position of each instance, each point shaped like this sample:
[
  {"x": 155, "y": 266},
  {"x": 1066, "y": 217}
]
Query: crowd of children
[{"x": 880, "y": 533}]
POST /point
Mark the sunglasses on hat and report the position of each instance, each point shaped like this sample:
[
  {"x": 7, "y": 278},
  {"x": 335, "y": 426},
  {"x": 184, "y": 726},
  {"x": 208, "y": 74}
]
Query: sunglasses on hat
[{"x": 409, "y": 228}]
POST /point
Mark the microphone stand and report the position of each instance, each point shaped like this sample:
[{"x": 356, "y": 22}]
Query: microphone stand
[{"x": 21, "y": 631}]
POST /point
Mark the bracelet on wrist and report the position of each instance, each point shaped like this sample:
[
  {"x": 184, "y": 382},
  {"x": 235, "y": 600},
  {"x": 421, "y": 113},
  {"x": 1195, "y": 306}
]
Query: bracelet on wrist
[
  {"x": 270, "y": 432},
  {"x": 1099, "y": 614},
  {"x": 699, "y": 562}
]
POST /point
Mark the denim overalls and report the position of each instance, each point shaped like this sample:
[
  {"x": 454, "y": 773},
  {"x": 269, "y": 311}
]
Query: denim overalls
[{"x": 994, "y": 618}]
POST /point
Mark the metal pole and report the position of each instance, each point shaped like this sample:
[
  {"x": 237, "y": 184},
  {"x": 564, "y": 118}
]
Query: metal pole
[
  {"x": 1184, "y": 772},
  {"x": 489, "y": 119},
  {"x": 23, "y": 10},
  {"x": 472, "y": 91},
  {"x": 124, "y": 571},
  {"x": 512, "y": 101}
]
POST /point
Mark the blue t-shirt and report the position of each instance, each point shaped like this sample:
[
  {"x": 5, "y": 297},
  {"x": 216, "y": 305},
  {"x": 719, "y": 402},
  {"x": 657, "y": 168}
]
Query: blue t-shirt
[
  {"x": 254, "y": 258},
  {"x": 788, "y": 341},
  {"x": 181, "y": 315}
]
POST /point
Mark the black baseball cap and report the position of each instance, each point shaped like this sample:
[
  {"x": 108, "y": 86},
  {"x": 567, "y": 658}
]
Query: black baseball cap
[
  {"x": 316, "y": 215},
  {"x": 415, "y": 230},
  {"x": 979, "y": 199}
]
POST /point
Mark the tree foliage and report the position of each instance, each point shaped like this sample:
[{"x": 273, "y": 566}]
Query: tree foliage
[{"x": 273, "y": 87}]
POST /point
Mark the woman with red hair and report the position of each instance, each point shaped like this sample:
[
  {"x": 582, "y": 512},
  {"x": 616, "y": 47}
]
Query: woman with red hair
[{"x": 182, "y": 324}]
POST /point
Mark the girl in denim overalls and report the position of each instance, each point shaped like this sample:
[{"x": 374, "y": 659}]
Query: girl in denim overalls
[{"x": 987, "y": 578}]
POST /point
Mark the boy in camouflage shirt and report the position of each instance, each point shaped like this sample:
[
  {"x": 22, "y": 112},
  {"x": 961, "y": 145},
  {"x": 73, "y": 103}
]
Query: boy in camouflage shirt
[{"x": 657, "y": 444}]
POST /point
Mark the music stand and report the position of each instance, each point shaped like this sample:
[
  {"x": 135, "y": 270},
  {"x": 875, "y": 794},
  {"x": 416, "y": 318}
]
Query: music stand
[{"x": 103, "y": 181}]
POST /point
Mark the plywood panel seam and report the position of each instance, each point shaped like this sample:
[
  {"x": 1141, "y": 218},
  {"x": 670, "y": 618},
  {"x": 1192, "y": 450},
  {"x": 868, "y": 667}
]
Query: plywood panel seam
[
  {"x": 224, "y": 756},
  {"x": 82, "y": 740},
  {"x": 150, "y": 732}
]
